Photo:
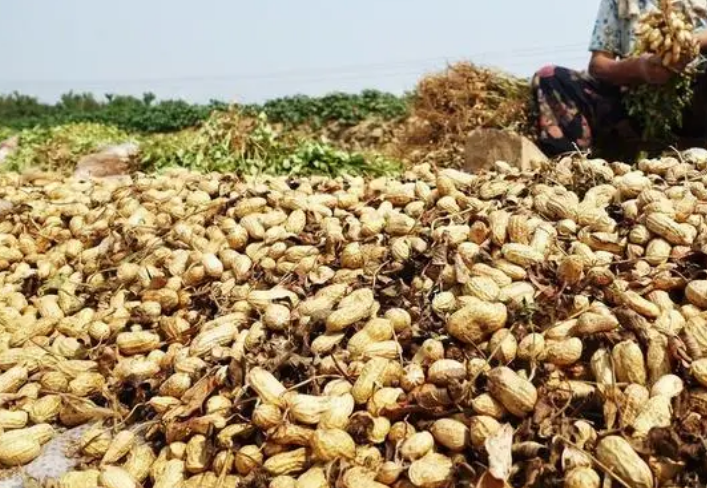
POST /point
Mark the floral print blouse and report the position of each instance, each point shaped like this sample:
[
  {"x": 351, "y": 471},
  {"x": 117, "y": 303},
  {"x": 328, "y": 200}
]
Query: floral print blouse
[{"x": 614, "y": 34}]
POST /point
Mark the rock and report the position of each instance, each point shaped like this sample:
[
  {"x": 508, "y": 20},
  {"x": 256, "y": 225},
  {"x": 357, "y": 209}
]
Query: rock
[
  {"x": 100, "y": 166},
  {"x": 58, "y": 455},
  {"x": 8, "y": 146},
  {"x": 110, "y": 161},
  {"x": 486, "y": 146}
]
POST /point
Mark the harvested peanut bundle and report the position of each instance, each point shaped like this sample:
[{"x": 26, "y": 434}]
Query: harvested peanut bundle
[
  {"x": 431, "y": 330},
  {"x": 666, "y": 32}
]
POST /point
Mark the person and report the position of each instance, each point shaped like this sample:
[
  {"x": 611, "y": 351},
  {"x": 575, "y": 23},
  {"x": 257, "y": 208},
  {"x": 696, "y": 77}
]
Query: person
[{"x": 576, "y": 109}]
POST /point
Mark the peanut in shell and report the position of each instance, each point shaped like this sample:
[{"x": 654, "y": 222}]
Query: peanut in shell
[
  {"x": 139, "y": 461},
  {"x": 582, "y": 477},
  {"x": 564, "y": 352},
  {"x": 434, "y": 470},
  {"x": 314, "y": 477},
  {"x": 288, "y": 462},
  {"x": 517, "y": 394},
  {"x": 472, "y": 324},
  {"x": 268, "y": 388},
  {"x": 450, "y": 433},
  {"x": 616, "y": 454},
  {"x": 371, "y": 374},
  {"x": 331, "y": 444},
  {"x": 116, "y": 477},
  {"x": 656, "y": 413},
  {"x": 503, "y": 346},
  {"x": 442, "y": 371},
  {"x": 629, "y": 363},
  {"x": 417, "y": 445},
  {"x": 696, "y": 293},
  {"x": 17, "y": 448},
  {"x": 532, "y": 347},
  {"x": 481, "y": 427},
  {"x": 247, "y": 459},
  {"x": 487, "y": 405}
]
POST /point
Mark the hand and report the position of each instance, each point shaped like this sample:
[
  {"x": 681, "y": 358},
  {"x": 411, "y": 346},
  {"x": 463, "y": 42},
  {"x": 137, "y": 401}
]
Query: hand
[
  {"x": 652, "y": 70},
  {"x": 681, "y": 65}
]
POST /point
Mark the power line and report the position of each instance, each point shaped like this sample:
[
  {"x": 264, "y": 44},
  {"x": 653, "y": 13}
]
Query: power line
[
  {"x": 329, "y": 73},
  {"x": 397, "y": 73}
]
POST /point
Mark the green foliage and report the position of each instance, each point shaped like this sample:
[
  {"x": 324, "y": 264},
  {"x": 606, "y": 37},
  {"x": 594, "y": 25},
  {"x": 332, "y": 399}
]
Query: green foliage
[
  {"x": 347, "y": 109},
  {"x": 61, "y": 147},
  {"x": 658, "y": 109},
  {"x": 6, "y": 132},
  {"x": 226, "y": 142},
  {"x": 125, "y": 112},
  {"x": 311, "y": 157},
  {"x": 146, "y": 115},
  {"x": 16, "y": 107},
  {"x": 229, "y": 143}
]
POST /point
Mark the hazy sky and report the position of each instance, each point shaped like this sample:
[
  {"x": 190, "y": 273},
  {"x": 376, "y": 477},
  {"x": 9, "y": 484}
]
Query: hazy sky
[{"x": 253, "y": 50}]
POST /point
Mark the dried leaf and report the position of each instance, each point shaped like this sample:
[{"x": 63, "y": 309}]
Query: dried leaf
[
  {"x": 158, "y": 283},
  {"x": 182, "y": 431},
  {"x": 194, "y": 398},
  {"x": 499, "y": 448},
  {"x": 573, "y": 458},
  {"x": 461, "y": 271},
  {"x": 488, "y": 481},
  {"x": 439, "y": 255}
]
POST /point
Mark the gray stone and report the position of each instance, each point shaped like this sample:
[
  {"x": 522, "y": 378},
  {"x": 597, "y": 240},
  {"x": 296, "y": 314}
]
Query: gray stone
[
  {"x": 486, "y": 146},
  {"x": 108, "y": 162}
]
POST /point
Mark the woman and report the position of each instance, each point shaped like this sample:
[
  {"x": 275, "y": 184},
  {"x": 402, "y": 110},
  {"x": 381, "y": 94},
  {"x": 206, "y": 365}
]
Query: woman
[{"x": 577, "y": 108}]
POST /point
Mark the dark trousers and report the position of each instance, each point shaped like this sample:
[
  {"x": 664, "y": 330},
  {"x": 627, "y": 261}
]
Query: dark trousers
[{"x": 576, "y": 111}]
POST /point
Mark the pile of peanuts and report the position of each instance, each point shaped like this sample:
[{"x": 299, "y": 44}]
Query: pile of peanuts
[{"x": 436, "y": 329}]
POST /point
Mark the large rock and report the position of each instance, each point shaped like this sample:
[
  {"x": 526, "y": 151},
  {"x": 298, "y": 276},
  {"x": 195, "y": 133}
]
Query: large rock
[
  {"x": 486, "y": 146},
  {"x": 110, "y": 161}
]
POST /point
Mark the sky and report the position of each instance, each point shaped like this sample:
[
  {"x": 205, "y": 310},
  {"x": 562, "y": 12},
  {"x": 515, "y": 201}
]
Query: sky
[{"x": 250, "y": 51}]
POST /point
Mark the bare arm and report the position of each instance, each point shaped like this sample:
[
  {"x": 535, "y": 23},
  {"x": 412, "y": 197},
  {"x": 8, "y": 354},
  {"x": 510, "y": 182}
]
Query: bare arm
[
  {"x": 620, "y": 72},
  {"x": 625, "y": 72}
]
